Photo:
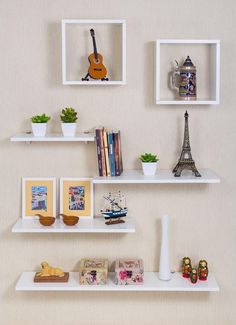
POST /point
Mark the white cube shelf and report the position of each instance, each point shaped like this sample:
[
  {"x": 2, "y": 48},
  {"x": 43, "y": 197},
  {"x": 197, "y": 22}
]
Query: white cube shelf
[
  {"x": 205, "y": 55},
  {"x": 77, "y": 46}
]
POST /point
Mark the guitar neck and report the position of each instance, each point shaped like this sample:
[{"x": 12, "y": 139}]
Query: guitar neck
[{"x": 95, "y": 48}]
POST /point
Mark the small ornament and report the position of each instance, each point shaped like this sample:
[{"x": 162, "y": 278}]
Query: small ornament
[
  {"x": 202, "y": 270},
  {"x": 184, "y": 80},
  {"x": 50, "y": 274},
  {"x": 186, "y": 267},
  {"x": 186, "y": 161},
  {"x": 193, "y": 275},
  {"x": 115, "y": 208}
]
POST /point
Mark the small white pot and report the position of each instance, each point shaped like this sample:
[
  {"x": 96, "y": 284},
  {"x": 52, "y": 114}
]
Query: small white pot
[
  {"x": 149, "y": 169},
  {"x": 68, "y": 129},
  {"x": 39, "y": 129}
]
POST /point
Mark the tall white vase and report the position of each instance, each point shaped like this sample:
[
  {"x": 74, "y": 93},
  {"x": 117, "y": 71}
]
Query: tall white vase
[{"x": 164, "y": 266}]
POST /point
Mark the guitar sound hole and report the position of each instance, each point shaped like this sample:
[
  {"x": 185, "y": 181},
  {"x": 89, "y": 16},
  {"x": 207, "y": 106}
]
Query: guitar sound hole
[{"x": 96, "y": 61}]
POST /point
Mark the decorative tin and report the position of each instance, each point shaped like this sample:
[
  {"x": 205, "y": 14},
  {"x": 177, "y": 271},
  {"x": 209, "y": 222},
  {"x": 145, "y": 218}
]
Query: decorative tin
[
  {"x": 93, "y": 271},
  {"x": 129, "y": 271},
  {"x": 184, "y": 80}
]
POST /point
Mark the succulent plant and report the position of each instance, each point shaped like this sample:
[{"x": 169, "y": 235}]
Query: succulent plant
[
  {"x": 148, "y": 158},
  {"x": 68, "y": 115},
  {"x": 40, "y": 118}
]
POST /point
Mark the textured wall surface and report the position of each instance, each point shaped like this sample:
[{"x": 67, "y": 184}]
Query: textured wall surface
[{"x": 203, "y": 220}]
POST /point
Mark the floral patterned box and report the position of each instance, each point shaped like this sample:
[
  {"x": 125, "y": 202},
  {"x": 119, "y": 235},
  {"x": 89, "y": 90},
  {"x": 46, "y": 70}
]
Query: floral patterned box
[
  {"x": 129, "y": 271},
  {"x": 93, "y": 271}
]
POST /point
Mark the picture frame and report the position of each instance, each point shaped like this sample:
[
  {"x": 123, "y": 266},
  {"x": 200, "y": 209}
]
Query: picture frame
[
  {"x": 76, "y": 197},
  {"x": 38, "y": 197}
]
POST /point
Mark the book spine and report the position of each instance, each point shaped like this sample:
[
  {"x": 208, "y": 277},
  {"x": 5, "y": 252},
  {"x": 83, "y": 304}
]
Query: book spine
[
  {"x": 120, "y": 154},
  {"x": 116, "y": 154},
  {"x": 98, "y": 152},
  {"x": 103, "y": 159},
  {"x": 111, "y": 153},
  {"x": 106, "y": 153}
]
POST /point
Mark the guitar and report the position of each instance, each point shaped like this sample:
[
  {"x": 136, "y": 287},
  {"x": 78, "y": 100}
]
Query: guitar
[{"x": 96, "y": 69}]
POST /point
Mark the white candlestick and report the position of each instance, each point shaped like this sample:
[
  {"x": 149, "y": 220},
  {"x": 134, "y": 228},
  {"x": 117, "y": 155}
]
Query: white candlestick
[{"x": 164, "y": 266}]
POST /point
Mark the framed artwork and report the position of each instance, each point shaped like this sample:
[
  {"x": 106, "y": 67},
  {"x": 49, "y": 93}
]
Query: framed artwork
[
  {"x": 76, "y": 197},
  {"x": 38, "y": 197}
]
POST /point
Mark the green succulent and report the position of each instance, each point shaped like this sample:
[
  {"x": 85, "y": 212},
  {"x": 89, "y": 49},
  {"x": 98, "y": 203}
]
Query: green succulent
[
  {"x": 148, "y": 158},
  {"x": 68, "y": 115},
  {"x": 40, "y": 118}
]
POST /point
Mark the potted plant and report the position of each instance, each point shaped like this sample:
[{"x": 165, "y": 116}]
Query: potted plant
[
  {"x": 149, "y": 164},
  {"x": 68, "y": 121},
  {"x": 39, "y": 125}
]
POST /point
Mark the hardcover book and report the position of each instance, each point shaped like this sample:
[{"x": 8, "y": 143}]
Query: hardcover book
[{"x": 111, "y": 153}]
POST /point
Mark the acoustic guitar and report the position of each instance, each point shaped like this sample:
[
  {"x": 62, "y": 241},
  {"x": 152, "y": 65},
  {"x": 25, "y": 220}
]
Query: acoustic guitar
[{"x": 96, "y": 69}]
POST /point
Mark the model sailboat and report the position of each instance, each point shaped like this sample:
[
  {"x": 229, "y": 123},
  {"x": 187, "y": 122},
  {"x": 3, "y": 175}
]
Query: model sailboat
[{"x": 115, "y": 208}]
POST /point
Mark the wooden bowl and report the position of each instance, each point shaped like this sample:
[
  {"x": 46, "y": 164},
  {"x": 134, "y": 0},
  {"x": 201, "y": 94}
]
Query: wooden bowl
[
  {"x": 70, "y": 220},
  {"x": 47, "y": 221}
]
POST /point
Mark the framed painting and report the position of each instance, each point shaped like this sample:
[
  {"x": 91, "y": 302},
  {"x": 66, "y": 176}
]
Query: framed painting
[
  {"x": 76, "y": 197},
  {"x": 38, "y": 197}
]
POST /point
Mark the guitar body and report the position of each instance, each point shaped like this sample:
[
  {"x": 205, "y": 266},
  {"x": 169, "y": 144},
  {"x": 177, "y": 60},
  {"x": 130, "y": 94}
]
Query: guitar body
[{"x": 96, "y": 70}]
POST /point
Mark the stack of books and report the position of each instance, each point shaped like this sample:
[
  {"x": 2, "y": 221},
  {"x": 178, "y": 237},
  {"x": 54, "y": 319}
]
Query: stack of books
[{"x": 109, "y": 152}]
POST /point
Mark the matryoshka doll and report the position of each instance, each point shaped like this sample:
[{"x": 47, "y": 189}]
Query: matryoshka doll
[
  {"x": 186, "y": 267},
  {"x": 202, "y": 270},
  {"x": 193, "y": 275}
]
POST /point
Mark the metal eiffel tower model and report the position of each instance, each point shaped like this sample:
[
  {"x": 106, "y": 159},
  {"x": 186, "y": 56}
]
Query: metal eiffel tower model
[{"x": 186, "y": 161}]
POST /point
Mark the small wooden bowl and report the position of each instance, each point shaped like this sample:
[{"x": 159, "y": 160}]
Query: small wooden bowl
[
  {"x": 70, "y": 220},
  {"x": 47, "y": 221}
]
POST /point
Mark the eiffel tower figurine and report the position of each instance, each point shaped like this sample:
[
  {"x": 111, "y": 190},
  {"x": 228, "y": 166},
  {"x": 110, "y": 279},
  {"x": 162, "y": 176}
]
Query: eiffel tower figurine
[{"x": 186, "y": 161}]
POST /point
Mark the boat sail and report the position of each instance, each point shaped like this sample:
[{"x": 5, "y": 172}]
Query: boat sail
[{"x": 115, "y": 208}]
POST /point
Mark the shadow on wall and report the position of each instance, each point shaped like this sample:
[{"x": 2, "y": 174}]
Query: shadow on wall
[
  {"x": 54, "y": 54},
  {"x": 149, "y": 73}
]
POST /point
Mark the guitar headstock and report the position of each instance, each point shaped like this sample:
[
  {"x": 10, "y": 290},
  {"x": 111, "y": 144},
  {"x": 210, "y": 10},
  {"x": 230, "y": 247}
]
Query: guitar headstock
[{"x": 92, "y": 32}]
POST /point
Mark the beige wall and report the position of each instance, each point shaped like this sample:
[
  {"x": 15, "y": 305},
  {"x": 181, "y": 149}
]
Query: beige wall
[{"x": 202, "y": 216}]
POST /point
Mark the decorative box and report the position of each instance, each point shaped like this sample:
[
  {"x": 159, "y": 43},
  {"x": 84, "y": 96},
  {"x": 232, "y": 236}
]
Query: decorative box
[
  {"x": 93, "y": 271},
  {"x": 129, "y": 271}
]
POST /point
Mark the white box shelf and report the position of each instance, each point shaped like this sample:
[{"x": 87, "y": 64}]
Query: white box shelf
[
  {"x": 163, "y": 176},
  {"x": 77, "y": 46},
  {"x": 151, "y": 284},
  {"x": 53, "y": 137},
  {"x": 205, "y": 54},
  {"x": 96, "y": 225}
]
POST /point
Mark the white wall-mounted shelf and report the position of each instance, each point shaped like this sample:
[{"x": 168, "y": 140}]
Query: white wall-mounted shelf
[
  {"x": 96, "y": 225},
  {"x": 77, "y": 46},
  {"x": 151, "y": 283},
  {"x": 205, "y": 54},
  {"x": 53, "y": 137},
  {"x": 162, "y": 177}
]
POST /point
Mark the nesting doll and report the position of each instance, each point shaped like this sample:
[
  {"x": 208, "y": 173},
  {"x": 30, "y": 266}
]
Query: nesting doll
[
  {"x": 202, "y": 270},
  {"x": 193, "y": 275},
  {"x": 186, "y": 267}
]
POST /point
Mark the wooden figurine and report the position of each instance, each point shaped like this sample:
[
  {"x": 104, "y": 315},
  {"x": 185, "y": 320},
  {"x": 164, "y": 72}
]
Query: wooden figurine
[
  {"x": 186, "y": 267},
  {"x": 193, "y": 275},
  {"x": 202, "y": 270},
  {"x": 50, "y": 274}
]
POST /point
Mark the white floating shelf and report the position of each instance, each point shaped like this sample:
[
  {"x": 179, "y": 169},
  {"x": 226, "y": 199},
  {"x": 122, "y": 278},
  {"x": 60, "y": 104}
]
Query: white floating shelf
[
  {"x": 151, "y": 283},
  {"x": 96, "y": 225},
  {"x": 205, "y": 55},
  {"x": 53, "y": 137},
  {"x": 162, "y": 177}
]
